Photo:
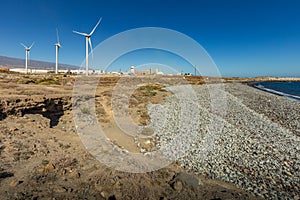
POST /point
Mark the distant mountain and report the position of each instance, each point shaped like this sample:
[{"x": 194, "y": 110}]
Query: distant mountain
[{"x": 19, "y": 63}]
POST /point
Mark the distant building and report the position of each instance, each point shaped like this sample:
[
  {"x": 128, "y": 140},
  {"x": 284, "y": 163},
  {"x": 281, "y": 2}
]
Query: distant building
[
  {"x": 20, "y": 70},
  {"x": 39, "y": 71},
  {"x": 143, "y": 73},
  {"x": 31, "y": 71},
  {"x": 157, "y": 72}
]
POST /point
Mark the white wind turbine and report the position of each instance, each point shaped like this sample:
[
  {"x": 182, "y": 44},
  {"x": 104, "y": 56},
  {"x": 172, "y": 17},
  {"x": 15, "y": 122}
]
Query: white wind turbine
[
  {"x": 57, "y": 45},
  {"x": 27, "y": 49},
  {"x": 88, "y": 42}
]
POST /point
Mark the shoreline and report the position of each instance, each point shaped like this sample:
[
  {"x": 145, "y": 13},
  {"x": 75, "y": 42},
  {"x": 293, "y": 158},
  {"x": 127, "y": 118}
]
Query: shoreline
[
  {"x": 262, "y": 79},
  {"x": 279, "y": 93}
]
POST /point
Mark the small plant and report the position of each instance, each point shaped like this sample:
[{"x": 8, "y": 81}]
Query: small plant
[
  {"x": 149, "y": 90},
  {"x": 85, "y": 110},
  {"x": 48, "y": 81},
  {"x": 28, "y": 92},
  {"x": 30, "y": 81},
  {"x": 150, "y": 87}
]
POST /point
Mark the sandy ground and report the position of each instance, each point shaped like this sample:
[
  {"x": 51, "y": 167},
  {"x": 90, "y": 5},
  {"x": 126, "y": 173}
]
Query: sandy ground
[{"x": 42, "y": 157}]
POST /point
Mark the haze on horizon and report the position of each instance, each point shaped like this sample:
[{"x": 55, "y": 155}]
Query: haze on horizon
[{"x": 244, "y": 38}]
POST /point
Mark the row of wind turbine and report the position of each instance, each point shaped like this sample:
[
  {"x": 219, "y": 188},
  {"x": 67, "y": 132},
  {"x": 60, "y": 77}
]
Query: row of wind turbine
[
  {"x": 58, "y": 45},
  {"x": 27, "y": 49}
]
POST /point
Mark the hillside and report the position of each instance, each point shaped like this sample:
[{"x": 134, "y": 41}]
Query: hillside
[{"x": 16, "y": 63}]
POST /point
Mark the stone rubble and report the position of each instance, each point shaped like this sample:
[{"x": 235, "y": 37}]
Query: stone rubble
[{"x": 214, "y": 130}]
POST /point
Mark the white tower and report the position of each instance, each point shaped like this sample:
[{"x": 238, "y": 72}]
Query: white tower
[
  {"x": 27, "y": 49},
  {"x": 132, "y": 69},
  {"x": 57, "y": 45}
]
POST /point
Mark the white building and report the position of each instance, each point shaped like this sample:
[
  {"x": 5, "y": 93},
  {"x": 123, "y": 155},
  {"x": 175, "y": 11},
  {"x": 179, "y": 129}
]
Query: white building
[{"x": 132, "y": 69}]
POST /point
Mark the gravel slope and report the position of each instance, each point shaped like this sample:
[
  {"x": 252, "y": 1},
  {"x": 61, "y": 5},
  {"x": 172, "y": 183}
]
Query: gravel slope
[{"x": 251, "y": 140}]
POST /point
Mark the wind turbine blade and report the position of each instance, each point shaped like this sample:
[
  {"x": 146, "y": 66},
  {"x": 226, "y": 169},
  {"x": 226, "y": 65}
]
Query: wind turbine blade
[
  {"x": 90, "y": 43},
  {"x": 96, "y": 26},
  {"x": 23, "y": 45},
  {"x": 31, "y": 45},
  {"x": 57, "y": 36},
  {"x": 84, "y": 34}
]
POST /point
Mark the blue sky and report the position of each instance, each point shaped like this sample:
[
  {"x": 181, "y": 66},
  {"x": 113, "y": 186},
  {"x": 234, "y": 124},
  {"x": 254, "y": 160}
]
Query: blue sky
[{"x": 244, "y": 38}]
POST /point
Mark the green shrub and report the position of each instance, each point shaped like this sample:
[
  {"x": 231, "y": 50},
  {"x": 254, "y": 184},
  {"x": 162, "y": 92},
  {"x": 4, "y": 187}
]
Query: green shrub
[{"x": 85, "y": 110}]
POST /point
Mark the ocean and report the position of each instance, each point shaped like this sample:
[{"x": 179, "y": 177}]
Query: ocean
[{"x": 288, "y": 89}]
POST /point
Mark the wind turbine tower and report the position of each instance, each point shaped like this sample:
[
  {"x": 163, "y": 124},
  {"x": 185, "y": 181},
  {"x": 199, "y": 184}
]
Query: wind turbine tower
[
  {"x": 87, "y": 43},
  {"x": 57, "y": 45},
  {"x": 27, "y": 49}
]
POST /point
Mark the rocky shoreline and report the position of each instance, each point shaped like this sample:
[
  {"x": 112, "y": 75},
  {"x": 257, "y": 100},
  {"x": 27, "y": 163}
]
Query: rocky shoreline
[{"x": 252, "y": 142}]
